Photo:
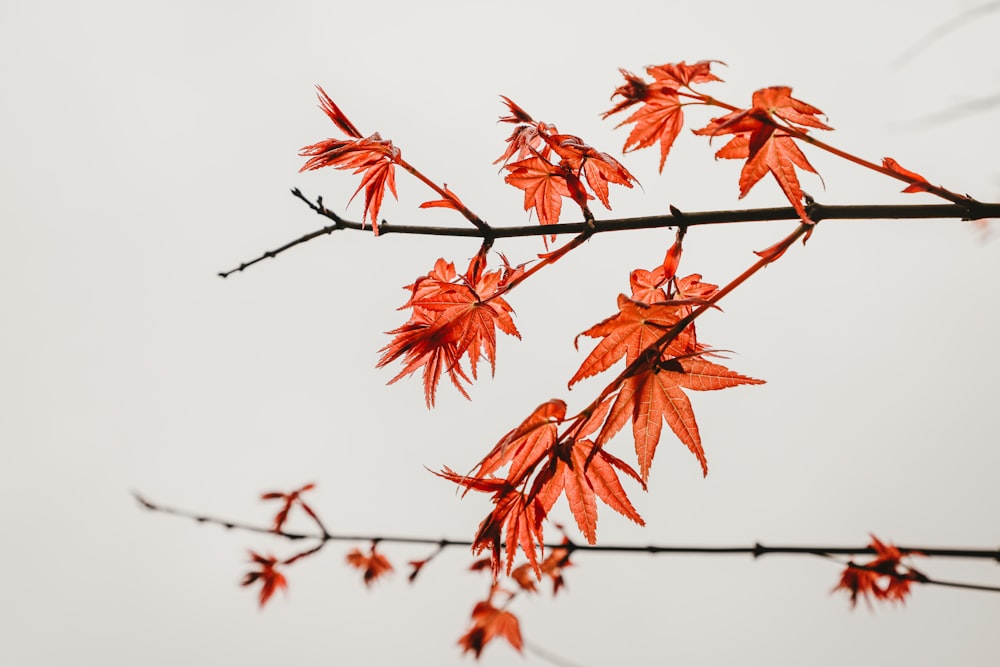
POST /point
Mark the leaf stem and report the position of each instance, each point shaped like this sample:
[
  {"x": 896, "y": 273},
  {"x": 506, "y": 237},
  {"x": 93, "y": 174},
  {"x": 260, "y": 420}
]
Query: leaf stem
[{"x": 459, "y": 206}]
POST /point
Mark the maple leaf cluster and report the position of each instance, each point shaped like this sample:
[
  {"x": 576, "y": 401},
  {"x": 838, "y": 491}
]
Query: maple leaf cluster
[
  {"x": 764, "y": 134},
  {"x": 885, "y": 578},
  {"x": 288, "y": 502},
  {"x": 551, "y": 166},
  {"x": 488, "y": 623},
  {"x": 453, "y": 316},
  {"x": 372, "y": 564},
  {"x": 550, "y": 455},
  {"x": 267, "y": 574},
  {"x": 373, "y": 157},
  {"x": 649, "y": 346}
]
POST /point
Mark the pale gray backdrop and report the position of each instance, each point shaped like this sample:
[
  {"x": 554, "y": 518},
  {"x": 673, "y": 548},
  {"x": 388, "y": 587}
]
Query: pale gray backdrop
[{"x": 148, "y": 145}]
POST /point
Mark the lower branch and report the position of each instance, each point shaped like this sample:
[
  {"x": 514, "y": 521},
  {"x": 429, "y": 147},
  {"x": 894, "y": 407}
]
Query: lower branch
[{"x": 756, "y": 550}]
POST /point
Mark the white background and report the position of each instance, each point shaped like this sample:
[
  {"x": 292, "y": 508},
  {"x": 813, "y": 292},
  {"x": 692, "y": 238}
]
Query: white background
[{"x": 148, "y": 145}]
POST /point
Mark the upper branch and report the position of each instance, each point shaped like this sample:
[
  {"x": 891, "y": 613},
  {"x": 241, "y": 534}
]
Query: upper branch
[{"x": 967, "y": 211}]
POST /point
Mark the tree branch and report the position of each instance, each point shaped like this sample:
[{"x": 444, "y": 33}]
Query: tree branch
[
  {"x": 971, "y": 210},
  {"x": 756, "y": 550}
]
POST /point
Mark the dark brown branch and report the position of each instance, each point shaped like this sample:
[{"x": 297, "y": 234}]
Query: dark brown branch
[
  {"x": 756, "y": 550},
  {"x": 970, "y": 211}
]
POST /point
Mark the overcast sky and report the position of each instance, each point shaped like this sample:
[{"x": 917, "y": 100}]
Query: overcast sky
[{"x": 149, "y": 145}]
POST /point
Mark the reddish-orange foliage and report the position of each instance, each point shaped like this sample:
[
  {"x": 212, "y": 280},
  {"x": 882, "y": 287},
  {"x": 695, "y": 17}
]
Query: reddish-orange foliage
[
  {"x": 584, "y": 472},
  {"x": 884, "y": 578},
  {"x": 566, "y": 464},
  {"x": 489, "y": 622},
  {"x": 765, "y": 142},
  {"x": 920, "y": 183},
  {"x": 551, "y": 567},
  {"x": 654, "y": 394},
  {"x": 289, "y": 500},
  {"x": 453, "y": 316},
  {"x": 270, "y": 579},
  {"x": 545, "y": 182},
  {"x": 516, "y": 520},
  {"x": 372, "y": 156},
  {"x": 372, "y": 564},
  {"x": 661, "y": 116}
]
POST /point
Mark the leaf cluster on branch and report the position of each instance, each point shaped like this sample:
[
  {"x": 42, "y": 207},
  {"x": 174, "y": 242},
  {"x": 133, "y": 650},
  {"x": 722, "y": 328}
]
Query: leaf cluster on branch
[{"x": 647, "y": 350}]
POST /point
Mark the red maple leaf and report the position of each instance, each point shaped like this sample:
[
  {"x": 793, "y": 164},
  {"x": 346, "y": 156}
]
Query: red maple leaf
[
  {"x": 452, "y": 201},
  {"x": 551, "y": 567},
  {"x": 453, "y": 316},
  {"x": 920, "y": 183},
  {"x": 372, "y": 157},
  {"x": 545, "y": 182},
  {"x": 271, "y": 580},
  {"x": 527, "y": 137},
  {"x": 527, "y": 444},
  {"x": 488, "y": 623},
  {"x": 683, "y": 75},
  {"x": 631, "y": 331},
  {"x": 289, "y": 500},
  {"x": 515, "y": 521},
  {"x": 597, "y": 168},
  {"x": 584, "y": 472},
  {"x": 544, "y": 185},
  {"x": 661, "y": 116},
  {"x": 654, "y": 394},
  {"x": 648, "y": 286},
  {"x": 372, "y": 564},
  {"x": 884, "y": 578},
  {"x": 761, "y": 140}
]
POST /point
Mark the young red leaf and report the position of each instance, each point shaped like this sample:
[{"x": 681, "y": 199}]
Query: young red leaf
[
  {"x": 920, "y": 184},
  {"x": 336, "y": 115},
  {"x": 527, "y": 137},
  {"x": 884, "y": 578},
  {"x": 544, "y": 185},
  {"x": 452, "y": 317},
  {"x": 372, "y": 157},
  {"x": 527, "y": 444},
  {"x": 597, "y": 168},
  {"x": 270, "y": 579},
  {"x": 289, "y": 500},
  {"x": 766, "y": 147},
  {"x": 516, "y": 521},
  {"x": 489, "y": 622},
  {"x": 373, "y": 564},
  {"x": 583, "y": 473},
  {"x": 654, "y": 394},
  {"x": 628, "y": 333},
  {"x": 452, "y": 201},
  {"x": 647, "y": 286},
  {"x": 682, "y": 75},
  {"x": 660, "y": 120},
  {"x": 661, "y": 116},
  {"x": 551, "y": 567}
]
